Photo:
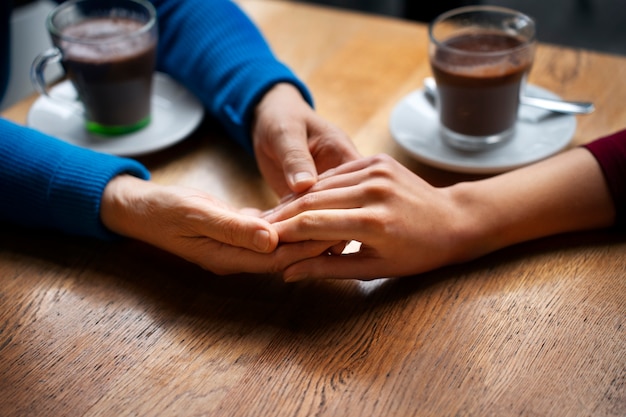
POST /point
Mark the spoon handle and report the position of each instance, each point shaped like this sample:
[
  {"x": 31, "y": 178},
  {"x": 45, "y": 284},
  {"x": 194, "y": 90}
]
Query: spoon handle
[{"x": 558, "y": 106}]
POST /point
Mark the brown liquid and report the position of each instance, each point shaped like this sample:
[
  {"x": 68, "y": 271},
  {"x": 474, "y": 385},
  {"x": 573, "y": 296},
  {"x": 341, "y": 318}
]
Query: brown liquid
[
  {"x": 480, "y": 96},
  {"x": 113, "y": 78}
]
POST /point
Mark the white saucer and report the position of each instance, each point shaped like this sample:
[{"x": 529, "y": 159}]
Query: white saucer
[
  {"x": 414, "y": 124},
  {"x": 175, "y": 114}
]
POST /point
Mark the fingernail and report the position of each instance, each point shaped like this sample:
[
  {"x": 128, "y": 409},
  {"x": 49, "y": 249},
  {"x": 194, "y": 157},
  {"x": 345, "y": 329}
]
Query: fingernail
[
  {"x": 301, "y": 177},
  {"x": 261, "y": 240}
]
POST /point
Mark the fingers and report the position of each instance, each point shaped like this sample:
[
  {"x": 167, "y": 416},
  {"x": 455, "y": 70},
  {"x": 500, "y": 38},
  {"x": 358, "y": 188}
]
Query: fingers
[
  {"x": 223, "y": 259},
  {"x": 297, "y": 163},
  {"x": 240, "y": 230},
  {"x": 351, "y": 172},
  {"x": 340, "y": 189},
  {"x": 329, "y": 145},
  {"x": 333, "y": 199},
  {"x": 339, "y": 225},
  {"x": 280, "y": 135},
  {"x": 344, "y": 175},
  {"x": 293, "y": 144},
  {"x": 351, "y": 266}
]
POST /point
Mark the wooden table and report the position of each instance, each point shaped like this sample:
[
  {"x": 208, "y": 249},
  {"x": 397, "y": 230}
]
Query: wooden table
[{"x": 115, "y": 329}]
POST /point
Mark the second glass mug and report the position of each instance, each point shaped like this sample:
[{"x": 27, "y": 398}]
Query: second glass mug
[{"x": 480, "y": 57}]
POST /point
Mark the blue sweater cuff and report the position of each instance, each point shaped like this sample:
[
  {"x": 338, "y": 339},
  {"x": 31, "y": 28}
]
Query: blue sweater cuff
[{"x": 64, "y": 183}]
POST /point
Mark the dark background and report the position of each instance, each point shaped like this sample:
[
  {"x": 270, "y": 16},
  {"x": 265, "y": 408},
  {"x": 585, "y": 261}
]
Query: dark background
[{"x": 590, "y": 24}]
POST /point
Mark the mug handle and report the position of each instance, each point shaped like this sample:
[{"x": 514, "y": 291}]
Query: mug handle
[{"x": 38, "y": 79}]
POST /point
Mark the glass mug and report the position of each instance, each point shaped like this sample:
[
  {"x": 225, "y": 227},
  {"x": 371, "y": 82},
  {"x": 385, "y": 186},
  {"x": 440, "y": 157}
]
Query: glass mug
[
  {"x": 108, "y": 51},
  {"x": 480, "y": 57}
]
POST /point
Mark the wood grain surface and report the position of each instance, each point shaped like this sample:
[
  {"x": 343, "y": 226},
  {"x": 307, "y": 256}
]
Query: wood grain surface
[{"x": 91, "y": 328}]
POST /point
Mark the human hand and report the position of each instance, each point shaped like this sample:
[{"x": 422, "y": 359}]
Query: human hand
[
  {"x": 198, "y": 228},
  {"x": 293, "y": 144},
  {"x": 405, "y": 225}
]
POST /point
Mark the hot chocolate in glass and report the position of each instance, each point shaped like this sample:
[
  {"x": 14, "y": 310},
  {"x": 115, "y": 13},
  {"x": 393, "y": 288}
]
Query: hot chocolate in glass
[
  {"x": 108, "y": 50},
  {"x": 480, "y": 56}
]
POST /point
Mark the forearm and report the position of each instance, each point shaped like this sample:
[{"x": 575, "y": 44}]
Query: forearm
[
  {"x": 562, "y": 194},
  {"x": 218, "y": 53}
]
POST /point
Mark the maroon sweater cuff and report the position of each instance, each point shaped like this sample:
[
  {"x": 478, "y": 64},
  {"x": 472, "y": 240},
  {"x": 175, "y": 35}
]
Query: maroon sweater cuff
[{"x": 610, "y": 152}]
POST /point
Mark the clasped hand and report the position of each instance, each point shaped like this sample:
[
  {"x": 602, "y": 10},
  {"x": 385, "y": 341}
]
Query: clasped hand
[
  {"x": 292, "y": 145},
  {"x": 330, "y": 196}
]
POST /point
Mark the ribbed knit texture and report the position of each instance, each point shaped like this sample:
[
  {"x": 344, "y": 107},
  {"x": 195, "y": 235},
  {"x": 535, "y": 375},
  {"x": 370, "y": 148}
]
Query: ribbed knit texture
[
  {"x": 209, "y": 46},
  {"x": 214, "y": 49},
  {"x": 49, "y": 184},
  {"x": 610, "y": 152}
]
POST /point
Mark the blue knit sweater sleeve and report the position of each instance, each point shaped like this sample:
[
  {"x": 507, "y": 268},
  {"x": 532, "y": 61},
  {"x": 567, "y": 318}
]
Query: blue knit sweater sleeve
[
  {"x": 47, "y": 183},
  {"x": 208, "y": 45},
  {"x": 213, "y": 48}
]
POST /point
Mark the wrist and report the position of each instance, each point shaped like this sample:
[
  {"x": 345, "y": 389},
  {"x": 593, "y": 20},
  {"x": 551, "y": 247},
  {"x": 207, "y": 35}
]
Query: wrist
[
  {"x": 282, "y": 97},
  {"x": 120, "y": 199},
  {"x": 476, "y": 222}
]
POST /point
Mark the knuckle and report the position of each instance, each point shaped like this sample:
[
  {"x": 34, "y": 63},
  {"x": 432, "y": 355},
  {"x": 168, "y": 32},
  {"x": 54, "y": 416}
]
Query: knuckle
[
  {"x": 282, "y": 128},
  {"x": 378, "y": 190},
  {"x": 308, "y": 201},
  {"x": 381, "y": 167},
  {"x": 232, "y": 231},
  {"x": 286, "y": 126},
  {"x": 308, "y": 220},
  {"x": 371, "y": 221}
]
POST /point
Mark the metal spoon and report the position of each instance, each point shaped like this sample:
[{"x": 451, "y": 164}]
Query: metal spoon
[{"x": 557, "y": 106}]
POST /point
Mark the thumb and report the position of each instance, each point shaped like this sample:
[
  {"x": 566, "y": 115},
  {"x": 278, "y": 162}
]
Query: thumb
[
  {"x": 244, "y": 231},
  {"x": 297, "y": 163}
]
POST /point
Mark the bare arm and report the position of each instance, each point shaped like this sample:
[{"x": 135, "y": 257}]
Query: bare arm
[{"x": 565, "y": 193}]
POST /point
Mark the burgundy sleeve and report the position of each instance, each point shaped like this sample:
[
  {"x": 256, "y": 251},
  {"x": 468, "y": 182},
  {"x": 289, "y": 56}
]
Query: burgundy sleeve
[{"x": 610, "y": 152}]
